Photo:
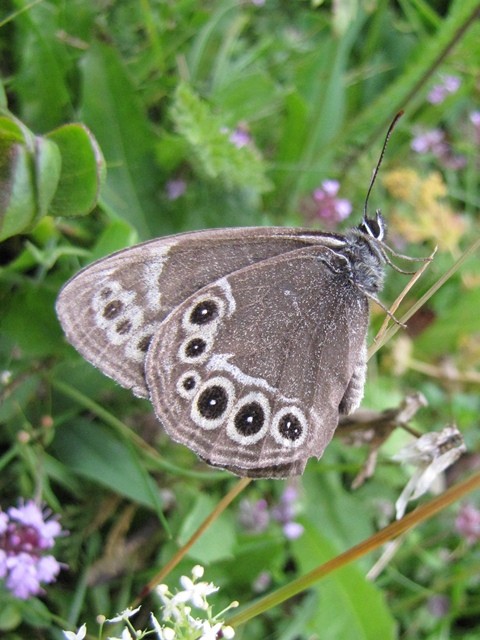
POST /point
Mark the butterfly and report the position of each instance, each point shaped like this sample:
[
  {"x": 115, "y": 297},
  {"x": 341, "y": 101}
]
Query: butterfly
[{"x": 249, "y": 342}]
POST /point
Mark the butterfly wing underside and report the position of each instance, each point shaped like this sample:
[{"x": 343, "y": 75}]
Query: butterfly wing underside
[
  {"x": 251, "y": 371},
  {"x": 111, "y": 309}
]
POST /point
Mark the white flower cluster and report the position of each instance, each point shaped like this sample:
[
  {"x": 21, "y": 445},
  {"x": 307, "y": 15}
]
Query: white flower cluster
[{"x": 178, "y": 623}]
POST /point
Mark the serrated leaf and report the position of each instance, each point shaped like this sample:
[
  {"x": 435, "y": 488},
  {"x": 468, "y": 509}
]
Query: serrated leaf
[{"x": 216, "y": 156}]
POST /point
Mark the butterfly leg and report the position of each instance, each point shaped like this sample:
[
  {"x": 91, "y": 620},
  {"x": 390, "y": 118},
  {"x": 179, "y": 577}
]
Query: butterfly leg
[{"x": 354, "y": 392}]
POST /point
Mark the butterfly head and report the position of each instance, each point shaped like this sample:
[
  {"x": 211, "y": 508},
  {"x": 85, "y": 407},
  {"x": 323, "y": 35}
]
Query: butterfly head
[{"x": 375, "y": 228}]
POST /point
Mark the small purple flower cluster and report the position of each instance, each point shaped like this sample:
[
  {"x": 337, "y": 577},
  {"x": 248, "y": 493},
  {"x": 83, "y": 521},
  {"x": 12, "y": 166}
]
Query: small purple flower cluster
[
  {"x": 255, "y": 516},
  {"x": 240, "y": 137},
  {"x": 467, "y": 523},
  {"x": 324, "y": 204},
  {"x": 447, "y": 86},
  {"x": 475, "y": 120},
  {"x": 434, "y": 141},
  {"x": 175, "y": 188},
  {"x": 25, "y": 534}
]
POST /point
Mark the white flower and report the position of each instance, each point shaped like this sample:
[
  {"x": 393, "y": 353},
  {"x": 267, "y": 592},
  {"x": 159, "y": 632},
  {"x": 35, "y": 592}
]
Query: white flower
[
  {"x": 197, "y": 572},
  {"x": 124, "y": 615},
  {"x": 194, "y": 593},
  {"x": 432, "y": 453},
  {"x": 170, "y": 611},
  {"x": 79, "y": 635},
  {"x": 163, "y": 633},
  {"x": 209, "y": 632},
  {"x": 5, "y": 377}
]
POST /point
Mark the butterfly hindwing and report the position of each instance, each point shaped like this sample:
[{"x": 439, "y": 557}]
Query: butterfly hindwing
[
  {"x": 111, "y": 309},
  {"x": 252, "y": 370}
]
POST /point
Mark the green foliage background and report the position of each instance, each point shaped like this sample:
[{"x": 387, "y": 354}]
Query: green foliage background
[{"x": 316, "y": 85}]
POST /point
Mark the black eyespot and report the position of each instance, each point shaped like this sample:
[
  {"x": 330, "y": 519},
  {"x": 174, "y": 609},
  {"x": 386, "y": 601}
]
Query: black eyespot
[
  {"x": 195, "y": 348},
  {"x": 105, "y": 293},
  {"x": 289, "y": 427},
  {"x": 144, "y": 343},
  {"x": 123, "y": 327},
  {"x": 112, "y": 309},
  {"x": 212, "y": 402},
  {"x": 249, "y": 419},
  {"x": 189, "y": 383},
  {"x": 204, "y": 312}
]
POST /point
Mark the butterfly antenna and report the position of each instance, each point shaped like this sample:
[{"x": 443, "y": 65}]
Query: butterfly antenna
[{"x": 382, "y": 153}]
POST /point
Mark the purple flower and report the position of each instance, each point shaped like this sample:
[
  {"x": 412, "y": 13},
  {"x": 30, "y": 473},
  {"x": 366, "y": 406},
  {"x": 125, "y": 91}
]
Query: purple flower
[
  {"x": 285, "y": 511},
  {"x": 475, "y": 120},
  {"x": 327, "y": 206},
  {"x": 467, "y": 523},
  {"x": 240, "y": 137},
  {"x": 25, "y": 533},
  {"x": 447, "y": 86},
  {"x": 262, "y": 582},
  {"x": 438, "y": 605},
  {"x": 434, "y": 141},
  {"x": 253, "y": 516},
  {"x": 175, "y": 188}
]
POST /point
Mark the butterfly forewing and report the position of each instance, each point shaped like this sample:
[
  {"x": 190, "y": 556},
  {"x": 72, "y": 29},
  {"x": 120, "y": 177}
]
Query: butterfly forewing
[
  {"x": 250, "y": 371},
  {"x": 111, "y": 310}
]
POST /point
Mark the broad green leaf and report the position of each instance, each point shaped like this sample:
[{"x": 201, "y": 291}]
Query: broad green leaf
[
  {"x": 48, "y": 167},
  {"x": 117, "y": 235},
  {"x": 44, "y": 61},
  {"x": 18, "y": 207},
  {"x": 91, "y": 451},
  {"x": 29, "y": 320},
  {"x": 112, "y": 111},
  {"x": 349, "y": 606},
  {"x": 82, "y": 171},
  {"x": 253, "y": 552},
  {"x": 217, "y": 542},
  {"x": 10, "y": 616}
]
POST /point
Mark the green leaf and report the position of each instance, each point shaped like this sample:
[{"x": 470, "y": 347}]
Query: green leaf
[
  {"x": 3, "y": 96},
  {"x": 456, "y": 320},
  {"x": 28, "y": 319},
  {"x": 17, "y": 193},
  {"x": 117, "y": 235},
  {"x": 91, "y": 451},
  {"x": 18, "y": 206},
  {"x": 48, "y": 167},
  {"x": 42, "y": 82},
  {"x": 348, "y": 605},
  {"x": 215, "y": 155},
  {"x": 82, "y": 172},
  {"x": 113, "y": 113},
  {"x": 10, "y": 616},
  {"x": 217, "y": 542}
]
